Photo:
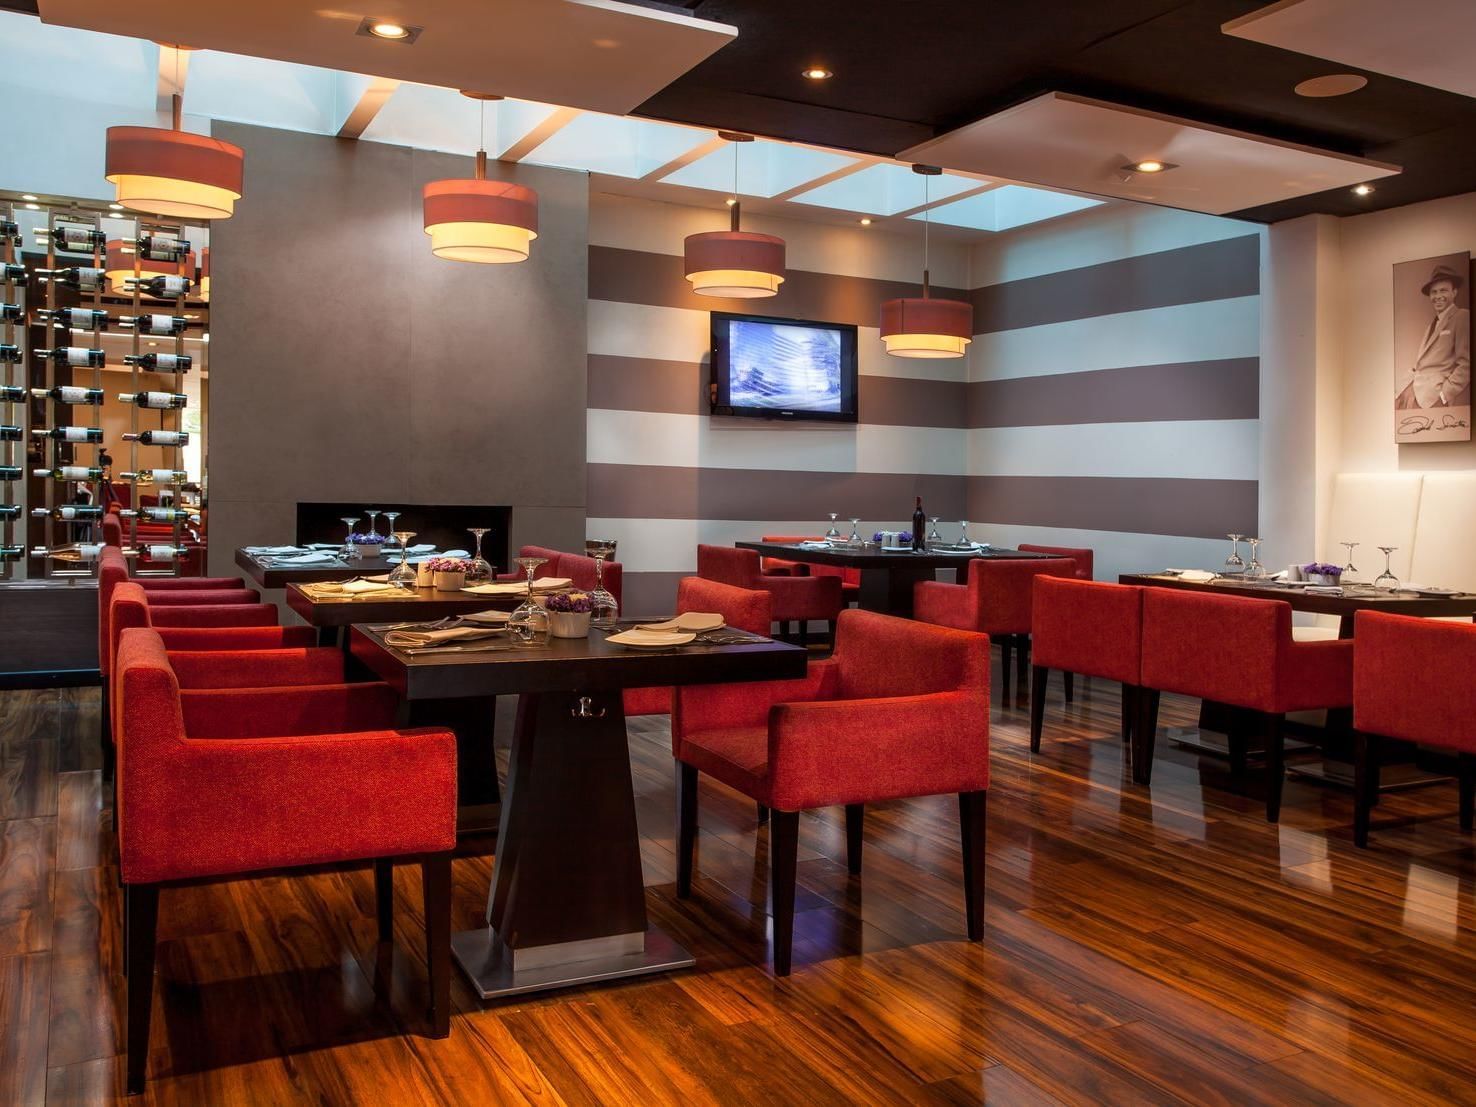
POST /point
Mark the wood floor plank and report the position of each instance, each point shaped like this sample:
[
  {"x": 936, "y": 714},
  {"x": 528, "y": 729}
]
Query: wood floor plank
[
  {"x": 80, "y": 826},
  {"x": 27, "y": 853},
  {"x": 25, "y": 1000},
  {"x": 28, "y": 779}
]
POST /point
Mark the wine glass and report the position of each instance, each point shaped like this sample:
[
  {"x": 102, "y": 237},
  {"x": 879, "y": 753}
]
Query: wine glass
[
  {"x": 1255, "y": 570},
  {"x": 832, "y": 534},
  {"x": 527, "y": 619},
  {"x": 1349, "y": 569},
  {"x": 481, "y": 568},
  {"x": 606, "y": 609},
  {"x": 373, "y": 513},
  {"x": 934, "y": 538},
  {"x": 349, "y": 552},
  {"x": 391, "y": 516},
  {"x": 963, "y": 533},
  {"x": 1387, "y": 580},
  {"x": 403, "y": 574},
  {"x": 855, "y": 530},
  {"x": 1235, "y": 563}
]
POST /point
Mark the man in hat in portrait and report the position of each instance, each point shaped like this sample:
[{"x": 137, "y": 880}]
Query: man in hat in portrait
[{"x": 1442, "y": 367}]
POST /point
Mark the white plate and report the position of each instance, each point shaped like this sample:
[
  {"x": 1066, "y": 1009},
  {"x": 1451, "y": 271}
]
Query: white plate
[
  {"x": 639, "y": 639},
  {"x": 1435, "y": 593},
  {"x": 698, "y": 622}
]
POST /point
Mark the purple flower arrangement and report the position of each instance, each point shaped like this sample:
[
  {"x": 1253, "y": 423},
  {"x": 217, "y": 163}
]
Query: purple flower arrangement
[
  {"x": 1319, "y": 568},
  {"x": 448, "y": 565},
  {"x": 904, "y": 537},
  {"x": 572, "y": 602},
  {"x": 367, "y": 539}
]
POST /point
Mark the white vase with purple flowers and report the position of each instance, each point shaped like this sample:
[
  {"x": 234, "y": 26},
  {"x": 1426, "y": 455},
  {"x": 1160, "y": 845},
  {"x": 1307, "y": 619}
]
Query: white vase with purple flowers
[
  {"x": 1317, "y": 572},
  {"x": 367, "y": 545},
  {"x": 448, "y": 574},
  {"x": 569, "y": 614}
]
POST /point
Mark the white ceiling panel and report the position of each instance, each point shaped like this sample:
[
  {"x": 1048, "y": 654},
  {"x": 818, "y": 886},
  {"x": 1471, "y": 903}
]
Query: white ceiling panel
[
  {"x": 1430, "y": 42},
  {"x": 1071, "y": 142},
  {"x": 597, "y": 54}
]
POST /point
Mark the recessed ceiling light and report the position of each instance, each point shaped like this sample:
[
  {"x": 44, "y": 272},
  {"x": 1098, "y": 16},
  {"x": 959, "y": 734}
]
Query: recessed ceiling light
[
  {"x": 116, "y": 207},
  {"x": 865, "y": 220},
  {"x": 1334, "y": 84},
  {"x": 33, "y": 207},
  {"x": 1150, "y": 166},
  {"x": 816, "y": 73},
  {"x": 731, "y": 200},
  {"x": 1363, "y": 190},
  {"x": 28, "y": 196},
  {"x": 389, "y": 30}
]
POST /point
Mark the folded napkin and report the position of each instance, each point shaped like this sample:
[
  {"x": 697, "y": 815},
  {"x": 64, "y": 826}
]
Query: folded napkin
[
  {"x": 518, "y": 587},
  {"x": 695, "y": 622},
  {"x": 325, "y": 545},
  {"x": 487, "y": 618},
  {"x": 814, "y": 545},
  {"x": 410, "y": 639},
  {"x": 257, "y": 551},
  {"x": 356, "y": 590},
  {"x": 420, "y": 548},
  {"x": 1195, "y": 576},
  {"x": 1324, "y": 590},
  {"x": 316, "y": 557}
]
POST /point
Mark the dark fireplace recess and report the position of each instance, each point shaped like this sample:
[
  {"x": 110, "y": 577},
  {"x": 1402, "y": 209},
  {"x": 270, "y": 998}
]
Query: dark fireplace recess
[{"x": 444, "y": 524}]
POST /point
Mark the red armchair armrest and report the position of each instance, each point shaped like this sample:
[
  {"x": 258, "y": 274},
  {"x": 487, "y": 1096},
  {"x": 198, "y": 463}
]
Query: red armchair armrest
[
  {"x": 947, "y": 605},
  {"x": 311, "y": 709},
  {"x": 212, "y": 615},
  {"x": 174, "y": 597},
  {"x": 237, "y": 638},
  {"x": 804, "y": 597},
  {"x": 222, "y": 806},
  {"x": 723, "y": 706},
  {"x": 256, "y": 668},
  {"x": 187, "y": 584},
  {"x": 861, "y": 751}
]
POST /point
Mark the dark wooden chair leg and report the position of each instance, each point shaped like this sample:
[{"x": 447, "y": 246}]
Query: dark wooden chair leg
[
  {"x": 971, "y": 809},
  {"x": 804, "y": 634},
  {"x": 783, "y": 853},
  {"x": 1068, "y": 681},
  {"x": 1145, "y": 731},
  {"x": 830, "y": 633},
  {"x": 1006, "y": 644},
  {"x": 1365, "y": 784},
  {"x": 384, "y": 898},
  {"x": 1466, "y": 776},
  {"x": 762, "y": 814},
  {"x": 1238, "y": 741},
  {"x": 686, "y": 785},
  {"x": 435, "y": 877},
  {"x": 855, "y": 817},
  {"x": 1038, "y": 679},
  {"x": 1275, "y": 765},
  {"x": 1130, "y": 693},
  {"x": 141, "y": 907},
  {"x": 1022, "y": 660}
]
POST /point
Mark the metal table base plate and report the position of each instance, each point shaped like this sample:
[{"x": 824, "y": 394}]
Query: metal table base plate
[{"x": 482, "y": 956}]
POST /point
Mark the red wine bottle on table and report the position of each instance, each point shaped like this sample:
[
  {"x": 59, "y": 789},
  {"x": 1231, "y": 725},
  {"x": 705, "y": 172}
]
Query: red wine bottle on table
[{"x": 919, "y": 526}]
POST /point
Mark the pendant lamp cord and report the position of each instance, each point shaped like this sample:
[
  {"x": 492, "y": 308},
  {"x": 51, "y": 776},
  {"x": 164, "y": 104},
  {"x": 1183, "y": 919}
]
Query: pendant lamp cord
[
  {"x": 925, "y": 238},
  {"x": 733, "y": 219},
  {"x": 481, "y": 140},
  {"x": 176, "y": 100}
]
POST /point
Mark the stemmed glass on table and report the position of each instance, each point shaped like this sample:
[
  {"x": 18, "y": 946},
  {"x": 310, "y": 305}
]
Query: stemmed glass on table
[
  {"x": 481, "y": 568},
  {"x": 1349, "y": 569},
  {"x": 391, "y": 516},
  {"x": 1387, "y": 580},
  {"x": 1255, "y": 570},
  {"x": 934, "y": 538},
  {"x": 373, "y": 513},
  {"x": 403, "y": 574},
  {"x": 963, "y": 533},
  {"x": 1235, "y": 563},
  {"x": 832, "y": 534},
  {"x": 855, "y": 530},
  {"x": 606, "y": 609},
  {"x": 527, "y": 619},
  {"x": 349, "y": 552}
]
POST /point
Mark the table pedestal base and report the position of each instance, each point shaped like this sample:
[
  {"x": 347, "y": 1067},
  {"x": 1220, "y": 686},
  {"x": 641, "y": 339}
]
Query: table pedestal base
[{"x": 491, "y": 966}]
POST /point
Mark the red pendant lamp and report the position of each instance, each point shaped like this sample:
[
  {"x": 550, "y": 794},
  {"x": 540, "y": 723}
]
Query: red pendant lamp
[
  {"x": 734, "y": 263},
  {"x": 480, "y": 220},
  {"x": 922, "y": 326},
  {"x": 172, "y": 172}
]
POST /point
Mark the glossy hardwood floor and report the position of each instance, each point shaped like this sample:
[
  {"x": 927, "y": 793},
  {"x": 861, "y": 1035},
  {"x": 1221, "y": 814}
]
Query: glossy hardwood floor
[{"x": 1142, "y": 947}]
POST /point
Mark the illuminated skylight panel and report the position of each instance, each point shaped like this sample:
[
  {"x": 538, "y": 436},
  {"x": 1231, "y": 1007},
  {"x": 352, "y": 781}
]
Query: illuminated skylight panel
[
  {"x": 764, "y": 168},
  {"x": 432, "y": 118},
  {"x": 261, "y": 91},
  {"x": 73, "y": 64},
  {"x": 883, "y": 190},
  {"x": 1001, "y": 209},
  {"x": 619, "y": 147}
]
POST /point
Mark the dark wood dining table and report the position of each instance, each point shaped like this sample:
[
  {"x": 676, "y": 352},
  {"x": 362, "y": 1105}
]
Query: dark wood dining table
[
  {"x": 271, "y": 572},
  {"x": 566, "y": 904},
  {"x": 887, "y": 576},
  {"x": 331, "y": 614}
]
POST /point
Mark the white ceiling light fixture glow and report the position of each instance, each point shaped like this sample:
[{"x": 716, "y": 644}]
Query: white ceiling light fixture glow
[{"x": 390, "y": 31}]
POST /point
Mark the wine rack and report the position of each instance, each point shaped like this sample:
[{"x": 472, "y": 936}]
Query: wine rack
[{"x": 13, "y": 379}]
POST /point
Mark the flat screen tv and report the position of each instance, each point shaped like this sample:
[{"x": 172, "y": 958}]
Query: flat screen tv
[{"x": 783, "y": 368}]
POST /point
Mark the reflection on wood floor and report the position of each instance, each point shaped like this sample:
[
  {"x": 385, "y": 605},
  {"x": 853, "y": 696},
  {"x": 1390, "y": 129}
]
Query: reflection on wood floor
[{"x": 1142, "y": 947}]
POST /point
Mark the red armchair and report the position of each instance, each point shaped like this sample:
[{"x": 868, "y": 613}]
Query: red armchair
[
  {"x": 1237, "y": 651},
  {"x": 1083, "y": 557},
  {"x": 1407, "y": 685},
  {"x": 577, "y": 567},
  {"x": 792, "y": 599},
  {"x": 901, "y": 709},
  {"x": 739, "y": 607},
  {"x": 995, "y": 601},
  {"x": 1081, "y": 626},
  {"x": 218, "y": 788},
  {"x": 774, "y": 566}
]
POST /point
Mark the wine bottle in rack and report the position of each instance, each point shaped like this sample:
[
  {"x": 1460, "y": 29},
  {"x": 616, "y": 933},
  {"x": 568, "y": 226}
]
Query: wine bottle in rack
[
  {"x": 158, "y": 438},
  {"x": 82, "y": 319},
  {"x": 12, "y": 394},
  {"x": 9, "y": 271},
  {"x": 12, "y": 313},
  {"x": 69, "y": 513},
  {"x": 70, "y": 394},
  {"x": 72, "y": 236},
  {"x": 69, "y": 434},
  {"x": 9, "y": 354},
  {"x": 164, "y": 288},
  {"x": 160, "y": 363},
  {"x": 158, "y": 514},
  {"x": 10, "y": 473},
  {"x": 9, "y": 229},
  {"x": 158, "y": 553},
  {"x": 9, "y": 511},
  {"x": 159, "y": 401},
  {"x": 74, "y": 552},
  {"x": 168, "y": 325},
  {"x": 155, "y": 476},
  {"x": 155, "y": 248},
  {"x": 12, "y": 553},
  {"x": 9, "y": 432},
  {"x": 76, "y": 356},
  {"x": 70, "y": 472},
  {"x": 81, "y": 278}
]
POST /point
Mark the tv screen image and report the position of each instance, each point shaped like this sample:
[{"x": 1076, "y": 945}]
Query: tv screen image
[
  {"x": 777, "y": 365},
  {"x": 783, "y": 368}
]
